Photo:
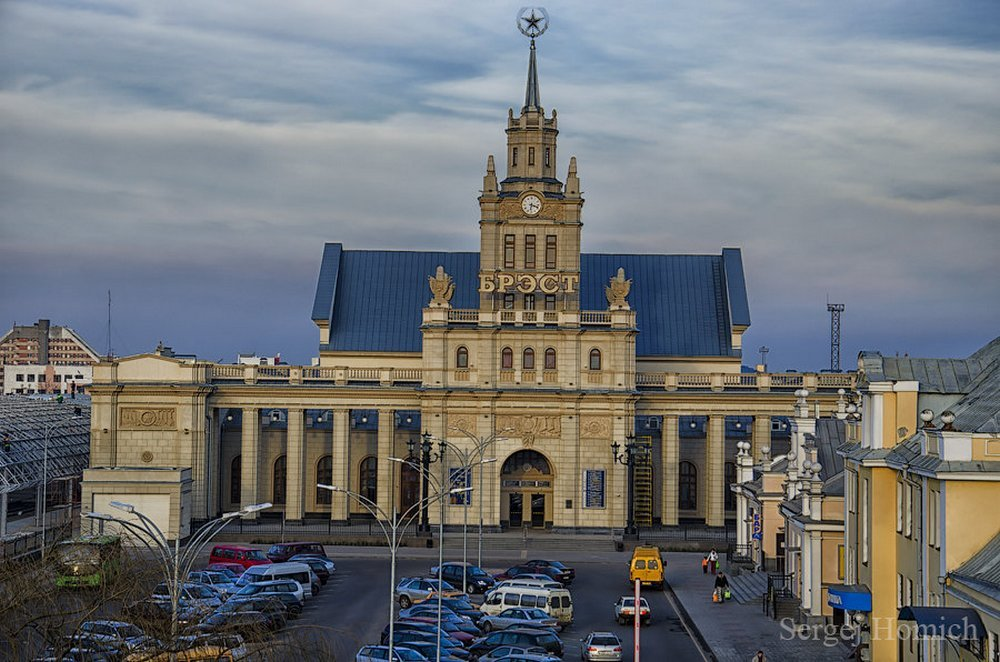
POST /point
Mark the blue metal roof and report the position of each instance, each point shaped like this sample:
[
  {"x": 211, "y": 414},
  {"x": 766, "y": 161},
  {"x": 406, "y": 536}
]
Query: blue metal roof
[{"x": 684, "y": 303}]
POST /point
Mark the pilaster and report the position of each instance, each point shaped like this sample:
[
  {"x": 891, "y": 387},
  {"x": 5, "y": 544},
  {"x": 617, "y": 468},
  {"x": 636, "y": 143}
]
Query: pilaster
[
  {"x": 715, "y": 458},
  {"x": 670, "y": 451},
  {"x": 250, "y": 458},
  {"x": 386, "y": 430},
  {"x": 295, "y": 455},
  {"x": 761, "y": 435},
  {"x": 341, "y": 463}
]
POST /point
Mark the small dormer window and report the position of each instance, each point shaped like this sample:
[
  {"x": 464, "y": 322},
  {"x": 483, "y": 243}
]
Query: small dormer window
[
  {"x": 513, "y": 156},
  {"x": 531, "y": 156},
  {"x": 547, "y": 155}
]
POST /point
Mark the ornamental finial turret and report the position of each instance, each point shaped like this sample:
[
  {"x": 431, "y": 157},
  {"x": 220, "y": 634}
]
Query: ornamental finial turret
[{"x": 442, "y": 287}]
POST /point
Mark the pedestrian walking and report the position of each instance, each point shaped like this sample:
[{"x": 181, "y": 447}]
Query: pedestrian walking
[
  {"x": 721, "y": 588},
  {"x": 759, "y": 657},
  {"x": 704, "y": 565},
  {"x": 713, "y": 561}
]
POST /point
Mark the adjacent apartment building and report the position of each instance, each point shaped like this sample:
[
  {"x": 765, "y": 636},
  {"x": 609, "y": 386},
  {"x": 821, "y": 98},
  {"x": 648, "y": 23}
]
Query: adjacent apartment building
[{"x": 45, "y": 358}]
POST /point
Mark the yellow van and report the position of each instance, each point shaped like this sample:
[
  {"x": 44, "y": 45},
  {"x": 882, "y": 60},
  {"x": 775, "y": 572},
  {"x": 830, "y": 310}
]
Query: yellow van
[{"x": 646, "y": 566}]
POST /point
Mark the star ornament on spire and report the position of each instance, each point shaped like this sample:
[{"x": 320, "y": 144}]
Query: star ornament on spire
[{"x": 532, "y": 21}]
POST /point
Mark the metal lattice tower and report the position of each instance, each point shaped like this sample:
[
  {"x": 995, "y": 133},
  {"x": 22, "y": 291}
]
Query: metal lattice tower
[
  {"x": 835, "y": 310},
  {"x": 764, "y": 349}
]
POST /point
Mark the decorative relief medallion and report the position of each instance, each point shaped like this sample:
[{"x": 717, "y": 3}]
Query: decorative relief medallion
[
  {"x": 462, "y": 423},
  {"x": 529, "y": 427},
  {"x": 147, "y": 456},
  {"x": 595, "y": 426},
  {"x": 138, "y": 418}
]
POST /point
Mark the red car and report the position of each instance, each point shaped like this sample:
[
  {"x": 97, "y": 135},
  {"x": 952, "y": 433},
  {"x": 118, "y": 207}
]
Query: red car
[
  {"x": 239, "y": 554},
  {"x": 234, "y": 568},
  {"x": 450, "y": 628}
]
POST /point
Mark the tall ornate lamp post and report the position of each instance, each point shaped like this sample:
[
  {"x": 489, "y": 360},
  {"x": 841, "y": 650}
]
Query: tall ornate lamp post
[
  {"x": 175, "y": 563},
  {"x": 391, "y": 527},
  {"x": 427, "y": 457},
  {"x": 631, "y": 453}
]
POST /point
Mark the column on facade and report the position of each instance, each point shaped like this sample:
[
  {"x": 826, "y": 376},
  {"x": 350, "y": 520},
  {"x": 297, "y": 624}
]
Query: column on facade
[
  {"x": 761, "y": 435},
  {"x": 815, "y": 546},
  {"x": 715, "y": 451},
  {"x": 386, "y": 430},
  {"x": 295, "y": 456},
  {"x": 670, "y": 459},
  {"x": 805, "y": 578},
  {"x": 250, "y": 458},
  {"x": 195, "y": 454},
  {"x": 213, "y": 463},
  {"x": 341, "y": 463}
]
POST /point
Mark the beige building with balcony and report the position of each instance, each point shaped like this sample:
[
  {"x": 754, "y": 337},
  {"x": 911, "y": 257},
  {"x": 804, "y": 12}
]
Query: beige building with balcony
[{"x": 526, "y": 351}]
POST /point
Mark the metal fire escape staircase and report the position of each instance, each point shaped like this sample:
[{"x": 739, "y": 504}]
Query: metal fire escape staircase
[{"x": 642, "y": 485}]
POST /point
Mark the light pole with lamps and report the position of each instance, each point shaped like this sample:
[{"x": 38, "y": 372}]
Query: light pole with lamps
[
  {"x": 77, "y": 415},
  {"x": 390, "y": 527},
  {"x": 426, "y": 458},
  {"x": 175, "y": 564},
  {"x": 632, "y": 452}
]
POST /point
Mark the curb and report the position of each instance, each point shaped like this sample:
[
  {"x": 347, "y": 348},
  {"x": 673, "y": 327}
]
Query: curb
[{"x": 688, "y": 623}]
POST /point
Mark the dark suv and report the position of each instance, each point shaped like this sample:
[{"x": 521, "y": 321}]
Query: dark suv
[
  {"x": 283, "y": 551},
  {"x": 526, "y": 637},
  {"x": 476, "y": 579}
]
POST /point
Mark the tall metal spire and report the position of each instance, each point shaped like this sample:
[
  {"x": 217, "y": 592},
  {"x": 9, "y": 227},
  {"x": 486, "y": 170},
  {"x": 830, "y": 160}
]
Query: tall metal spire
[{"x": 532, "y": 99}]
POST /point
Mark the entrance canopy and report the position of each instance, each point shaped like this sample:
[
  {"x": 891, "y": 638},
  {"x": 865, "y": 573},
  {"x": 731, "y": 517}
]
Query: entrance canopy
[
  {"x": 850, "y": 597},
  {"x": 959, "y": 623},
  {"x": 39, "y": 436}
]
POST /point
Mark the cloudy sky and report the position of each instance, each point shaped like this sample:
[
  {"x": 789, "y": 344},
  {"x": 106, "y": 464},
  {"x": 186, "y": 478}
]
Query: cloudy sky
[{"x": 193, "y": 156}]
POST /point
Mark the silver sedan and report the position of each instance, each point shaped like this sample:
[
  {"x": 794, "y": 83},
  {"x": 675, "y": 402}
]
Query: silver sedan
[
  {"x": 517, "y": 617},
  {"x": 601, "y": 646}
]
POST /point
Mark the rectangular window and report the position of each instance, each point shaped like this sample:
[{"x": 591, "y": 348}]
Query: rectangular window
[
  {"x": 550, "y": 302},
  {"x": 550, "y": 251},
  {"x": 865, "y": 506},
  {"x": 909, "y": 592},
  {"x": 547, "y": 154},
  {"x": 31, "y": 377},
  {"x": 508, "y": 251},
  {"x": 531, "y": 156},
  {"x": 932, "y": 519},
  {"x": 55, "y": 378},
  {"x": 899, "y": 591},
  {"x": 908, "y": 496},
  {"x": 513, "y": 156},
  {"x": 19, "y": 377},
  {"x": 508, "y": 301},
  {"x": 841, "y": 562},
  {"x": 529, "y": 301},
  {"x": 529, "y": 251},
  {"x": 899, "y": 507}
]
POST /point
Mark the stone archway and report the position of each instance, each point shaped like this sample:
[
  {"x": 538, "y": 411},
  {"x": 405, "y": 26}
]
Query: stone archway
[{"x": 526, "y": 488}]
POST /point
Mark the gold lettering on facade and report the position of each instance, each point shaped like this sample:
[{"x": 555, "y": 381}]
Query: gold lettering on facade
[
  {"x": 548, "y": 284},
  {"x": 569, "y": 282},
  {"x": 487, "y": 283},
  {"x": 135, "y": 418},
  {"x": 527, "y": 283},
  {"x": 529, "y": 427},
  {"x": 595, "y": 427},
  {"x": 505, "y": 281}
]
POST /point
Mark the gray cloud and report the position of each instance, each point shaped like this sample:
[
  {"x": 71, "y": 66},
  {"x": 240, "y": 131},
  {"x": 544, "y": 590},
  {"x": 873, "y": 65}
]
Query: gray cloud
[{"x": 196, "y": 155}]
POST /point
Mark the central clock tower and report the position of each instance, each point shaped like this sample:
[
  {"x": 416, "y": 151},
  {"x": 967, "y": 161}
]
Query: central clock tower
[{"x": 530, "y": 222}]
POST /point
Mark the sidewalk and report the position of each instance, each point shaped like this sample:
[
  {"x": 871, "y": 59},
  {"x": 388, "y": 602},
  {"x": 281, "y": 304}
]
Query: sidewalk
[{"x": 734, "y": 631}]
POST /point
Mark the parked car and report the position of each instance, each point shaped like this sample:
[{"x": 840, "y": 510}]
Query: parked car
[
  {"x": 241, "y": 554},
  {"x": 197, "y": 596},
  {"x": 220, "y": 581},
  {"x": 79, "y": 647},
  {"x": 289, "y": 592},
  {"x": 300, "y": 572},
  {"x": 284, "y": 551},
  {"x": 535, "y": 572},
  {"x": 274, "y": 609},
  {"x": 528, "y": 657},
  {"x": 251, "y": 625},
  {"x": 461, "y": 606},
  {"x": 568, "y": 573},
  {"x": 320, "y": 567},
  {"x": 424, "y": 628},
  {"x": 153, "y": 610},
  {"x": 330, "y": 565},
  {"x": 625, "y": 610},
  {"x": 452, "y": 647},
  {"x": 230, "y": 644},
  {"x": 476, "y": 579},
  {"x": 412, "y": 590},
  {"x": 518, "y": 617},
  {"x": 429, "y": 651},
  {"x": 122, "y": 636},
  {"x": 538, "y": 581},
  {"x": 601, "y": 646},
  {"x": 453, "y": 630},
  {"x": 526, "y": 637},
  {"x": 234, "y": 570},
  {"x": 518, "y": 652},
  {"x": 450, "y": 621},
  {"x": 381, "y": 654}
]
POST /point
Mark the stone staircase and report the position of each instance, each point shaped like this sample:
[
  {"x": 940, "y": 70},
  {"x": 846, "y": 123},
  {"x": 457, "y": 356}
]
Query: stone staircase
[
  {"x": 516, "y": 541},
  {"x": 748, "y": 587}
]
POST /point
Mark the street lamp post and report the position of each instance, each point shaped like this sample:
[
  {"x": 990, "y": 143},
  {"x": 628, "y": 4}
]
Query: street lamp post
[
  {"x": 390, "y": 527},
  {"x": 632, "y": 451},
  {"x": 175, "y": 564},
  {"x": 426, "y": 459},
  {"x": 77, "y": 415}
]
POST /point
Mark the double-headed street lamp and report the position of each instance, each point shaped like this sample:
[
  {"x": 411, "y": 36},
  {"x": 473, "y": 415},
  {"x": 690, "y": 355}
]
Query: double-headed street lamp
[
  {"x": 426, "y": 458},
  {"x": 175, "y": 564},
  {"x": 633, "y": 451},
  {"x": 391, "y": 527}
]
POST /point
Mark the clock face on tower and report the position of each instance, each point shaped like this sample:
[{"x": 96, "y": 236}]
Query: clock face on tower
[{"x": 531, "y": 204}]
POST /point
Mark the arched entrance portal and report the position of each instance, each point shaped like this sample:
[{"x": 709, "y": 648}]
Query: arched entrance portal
[{"x": 526, "y": 482}]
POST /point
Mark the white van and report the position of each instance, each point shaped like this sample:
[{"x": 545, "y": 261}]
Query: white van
[
  {"x": 555, "y": 602},
  {"x": 300, "y": 572},
  {"x": 534, "y": 583}
]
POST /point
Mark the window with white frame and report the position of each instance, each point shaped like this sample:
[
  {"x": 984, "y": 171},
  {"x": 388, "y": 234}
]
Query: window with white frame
[
  {"x": 899, "y": 591},
  {"x": 899, "y": 507},
  {"x": 864, "y": 520},
  {"x": 994, "y": 647},
  {"x": 908, "y": 496},
  {"x": 932, "y": 519}
]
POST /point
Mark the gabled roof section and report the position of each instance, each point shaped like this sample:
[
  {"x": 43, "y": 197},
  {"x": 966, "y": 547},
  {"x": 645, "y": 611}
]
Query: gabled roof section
[
  {"x": 831, "y": 433},
  {"x": 736, "y": 287},
  {"x": 934, "y": 375},
  {"x": 984, "y": 566},
  {"x": 373, "y": 299}
]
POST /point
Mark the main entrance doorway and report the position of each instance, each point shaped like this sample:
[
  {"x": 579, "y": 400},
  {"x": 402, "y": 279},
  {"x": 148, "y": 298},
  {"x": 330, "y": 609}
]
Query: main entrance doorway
[{"x": 526, "y": 482}]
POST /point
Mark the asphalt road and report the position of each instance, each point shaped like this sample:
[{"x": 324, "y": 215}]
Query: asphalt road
[{"x": 353, "y": 607}]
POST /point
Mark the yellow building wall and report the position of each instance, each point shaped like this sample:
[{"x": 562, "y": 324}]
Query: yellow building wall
[
  {"x": 882, "y": 562},
  {"x": 968, "y": 523}
]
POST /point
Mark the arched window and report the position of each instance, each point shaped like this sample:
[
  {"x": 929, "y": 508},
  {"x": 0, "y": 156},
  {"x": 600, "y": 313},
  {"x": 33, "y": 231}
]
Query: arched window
[
  {"x": 730, "y": 479},
  {"x": 506, "y": 359},
  {"x": 688, "y": 496},
  {"x": 550, "y": 359},
  {"x": 368, "y": 479},
  {"x": 324, "y": 474},
  {"x": 235, "y": 480},
  {"x": 528, "y": 359},
  {"x": 278, "y": 482},
  {"x": 595, "y": 359},
  {"x": 462, "y": 357}
]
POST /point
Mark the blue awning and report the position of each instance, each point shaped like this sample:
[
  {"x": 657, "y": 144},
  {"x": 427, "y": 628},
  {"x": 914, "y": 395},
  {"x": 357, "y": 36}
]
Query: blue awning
[
  {"x": 959, "y": 623},
  {"x": 849, "y": 597}
]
